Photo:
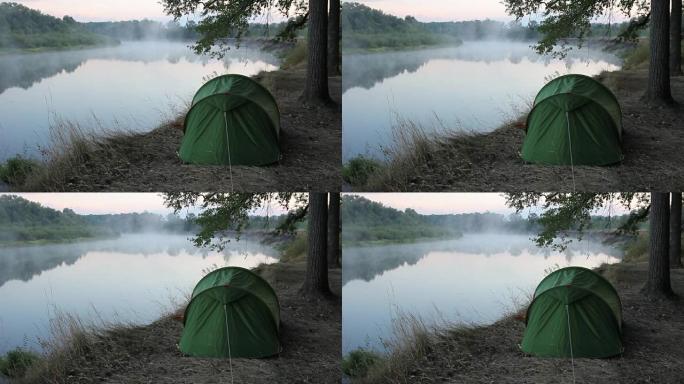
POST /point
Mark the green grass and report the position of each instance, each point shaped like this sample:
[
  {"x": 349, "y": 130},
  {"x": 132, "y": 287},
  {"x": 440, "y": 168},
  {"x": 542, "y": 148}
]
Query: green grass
[
  {"x": 358, "y": 362},
  {"x": 358, "y": 170},
  {"x": 17, "y": 362},
  {"x": 638, "y": 58},
  {"x": 294, "y": 250},
  {"x": 16, "y": 170},
  {"x": 295, "y": 56}
]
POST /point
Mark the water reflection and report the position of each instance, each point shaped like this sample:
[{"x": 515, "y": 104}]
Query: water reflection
[
  {"x": 24, "y": 263},
  {"x": 474, "y": 280}
]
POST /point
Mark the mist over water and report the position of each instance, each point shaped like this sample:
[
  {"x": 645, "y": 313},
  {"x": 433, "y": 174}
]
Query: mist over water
[
  {"x": 134, "y": 86},
  {"x": 473, "y": 87},
  {"x": 474, "y": 279},
  {"x": 132, "y": 279}
]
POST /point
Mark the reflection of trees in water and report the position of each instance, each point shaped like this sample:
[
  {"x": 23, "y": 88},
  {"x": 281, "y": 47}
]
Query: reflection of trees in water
[
  {"x": 367, "y": 70},
  {"x": 23, "y": 263},
  {"x": 366, "y": 263},
  {"x": 25, "y": 70}
]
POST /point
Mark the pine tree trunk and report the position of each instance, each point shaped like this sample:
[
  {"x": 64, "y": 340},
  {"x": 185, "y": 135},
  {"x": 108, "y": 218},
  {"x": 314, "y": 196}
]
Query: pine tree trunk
[
  {"x": 676, "y": 231},
  {"x": 676, "y": 38},
  {"x": 334, "y": 230},
  {"x": 658, "y": 90},
  {"x": 316, "y": 280},
  {"x": 316, "y": 85},
  {"x": 334, "y": 59},
  {"x": 658, "y": 283}
]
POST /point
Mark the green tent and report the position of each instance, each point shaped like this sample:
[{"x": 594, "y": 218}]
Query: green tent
[
  {"x": 233, "y": 120},
  {"x": 233, "y": 312},
  {"x": 576, "y": 120},
  {"x": 575, "y": 313}
]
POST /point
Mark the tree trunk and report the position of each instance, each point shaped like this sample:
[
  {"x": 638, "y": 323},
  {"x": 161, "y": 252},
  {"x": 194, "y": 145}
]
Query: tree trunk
[
  {"x": 334, "y": 230},
  {"x": 316, "y": 280},
  {"x": 676, "y": 38},
  {"x": 658, "y": 90},
  {"x": 316, "y": 85},
  {"x": 658, "y": 283},
  {"x": 334, "y": 59},
  {"x": 676, "y": 231}
]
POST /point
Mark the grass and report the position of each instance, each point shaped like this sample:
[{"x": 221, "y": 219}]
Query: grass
[
  {"x": 410, "y": 148},
  {"x": 16, "y": 170},
  {"x": 294, "y": 250},
  {"x": 294, "y": 56},
  {"x": 638, "y": 58},
  {"x": 16, "y": 362}
]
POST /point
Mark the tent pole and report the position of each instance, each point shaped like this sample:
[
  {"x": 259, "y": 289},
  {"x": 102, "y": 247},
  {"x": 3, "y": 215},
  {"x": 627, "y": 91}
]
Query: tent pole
[
  {"x": 230, "y": 161},
  {"x": 230, "y": 357},
  {"x": 572, "y": 357},
  {"x": 572, "y": 162}
]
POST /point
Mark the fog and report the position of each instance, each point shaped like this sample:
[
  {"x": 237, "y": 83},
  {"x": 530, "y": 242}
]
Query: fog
[
  {"x": 366, "y": 263},
  {"x": 25, "y": 70},
  {"x": 25, "y": 262},
  {"x": 367, "y": 70}
]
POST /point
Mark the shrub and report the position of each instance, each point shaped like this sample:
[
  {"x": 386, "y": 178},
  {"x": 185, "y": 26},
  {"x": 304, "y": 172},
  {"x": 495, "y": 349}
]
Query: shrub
[
  {"x": 359, "y": 169},
  {"x": 17, "y": 362},
  {"x": 359, "y": 362},
  {"x": 16, "y": 170}
]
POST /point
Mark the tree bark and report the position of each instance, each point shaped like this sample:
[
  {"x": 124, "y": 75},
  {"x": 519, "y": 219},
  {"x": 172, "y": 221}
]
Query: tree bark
[
  {"x": 316, "y": 280},
  {"x": 658, "y": 90},
  {"x": 334, "y": 230},
  {"x": 316, "y": 84},
  {"x": 334, "y": 58},
  {"x": 658, "y": 283},
  {"x": 676, "y": 231},
  {"x": 676, "y": 38}
]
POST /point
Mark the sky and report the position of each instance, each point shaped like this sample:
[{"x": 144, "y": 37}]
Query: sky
[{"x": 107, "y": 10}]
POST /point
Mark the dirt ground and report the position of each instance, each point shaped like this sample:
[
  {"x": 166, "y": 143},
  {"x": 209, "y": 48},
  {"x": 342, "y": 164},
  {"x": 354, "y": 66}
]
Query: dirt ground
[
  {"x": 311, "y": 139},
  {"x": 652, "y": 338},
  {"x": 652, "y": 144},
  {"x": 310, "y": 337}
]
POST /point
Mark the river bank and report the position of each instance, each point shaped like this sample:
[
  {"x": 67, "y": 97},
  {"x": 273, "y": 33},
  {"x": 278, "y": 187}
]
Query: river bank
[
  {"x": 310, "y": 336},
  {"x": 652, "y": 336},
  {"x": 491, "y": 161},
  {"x": 310, "y": 143}
]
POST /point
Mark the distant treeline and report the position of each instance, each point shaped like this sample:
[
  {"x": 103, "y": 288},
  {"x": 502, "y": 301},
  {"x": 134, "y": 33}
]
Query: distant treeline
[
  {"x": 24, "y": 221},
  {"x": 366, "y": 28},
  {"x": 25, "y": 28}
]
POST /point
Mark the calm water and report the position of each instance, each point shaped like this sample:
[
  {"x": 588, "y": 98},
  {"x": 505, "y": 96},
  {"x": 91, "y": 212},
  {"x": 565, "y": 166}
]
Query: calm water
[
  {"x": 473, "y": 87},
  {"x": 134, "y": 278},
  {"x": 474, "y": 279},
  {"x": 133, "y": 86}
]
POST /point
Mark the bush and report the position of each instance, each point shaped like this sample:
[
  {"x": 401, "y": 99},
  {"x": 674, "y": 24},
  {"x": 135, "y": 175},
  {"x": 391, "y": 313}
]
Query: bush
[
  {"x": 359, "y": 169},
  {"x": 17, "y": 362},
  {"x": 295, "y": 250},
  {"x": 359, "y": 362},
  {"x": 295, "y": 56},
  {"x": 16, "y": 170}
]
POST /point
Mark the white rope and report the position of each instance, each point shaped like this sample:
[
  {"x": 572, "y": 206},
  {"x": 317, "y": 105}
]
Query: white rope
[
  {"x": 572, "y": 357},
  {"x": 230, "y": 356},
  {"x": 572, "y": 162},
  {"x": 230, "y": 161}
]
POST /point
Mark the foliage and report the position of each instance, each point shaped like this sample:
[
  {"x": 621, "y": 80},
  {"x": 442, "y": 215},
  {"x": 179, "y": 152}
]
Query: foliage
[
  {"x": 16, "y": 362},
  {"x": 223, "y": 19},
  {"x": 295, "y": 56},
  {"x": 223, "y": 212},
  {"x": 564, "y": 212},
  {"x": 295, "y": 250},
  {"x": 570, "y": 19},
  {"x": 359, "y": 169},
  {"x": 22, "y": 28},
  {"x": 16, "y": 169},
  {"x": 358, "y": 362}
]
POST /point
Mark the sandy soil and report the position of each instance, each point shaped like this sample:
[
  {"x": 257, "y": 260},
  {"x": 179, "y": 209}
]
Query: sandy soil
[
  {"x": 652, "y": 145},
  {"x": 310, "y": 144},
  {"x": 653, "y": 334},
  {"x": 311, "y": 334}
]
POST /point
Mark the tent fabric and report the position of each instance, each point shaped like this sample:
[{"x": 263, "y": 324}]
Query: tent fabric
[
  {"x": 233, "y": 120},
  {"x": 232, "y": 313},
  {"x": 575, "y": 312},
  {"x": 575, "y": 120}
]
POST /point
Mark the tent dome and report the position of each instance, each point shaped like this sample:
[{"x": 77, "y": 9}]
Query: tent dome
[
  {"x": 233, "y": 120},
  {"x": 575, "y": 311},
  {"x": 575, "y": 120},
  {"x": 233, "y": 312}
]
